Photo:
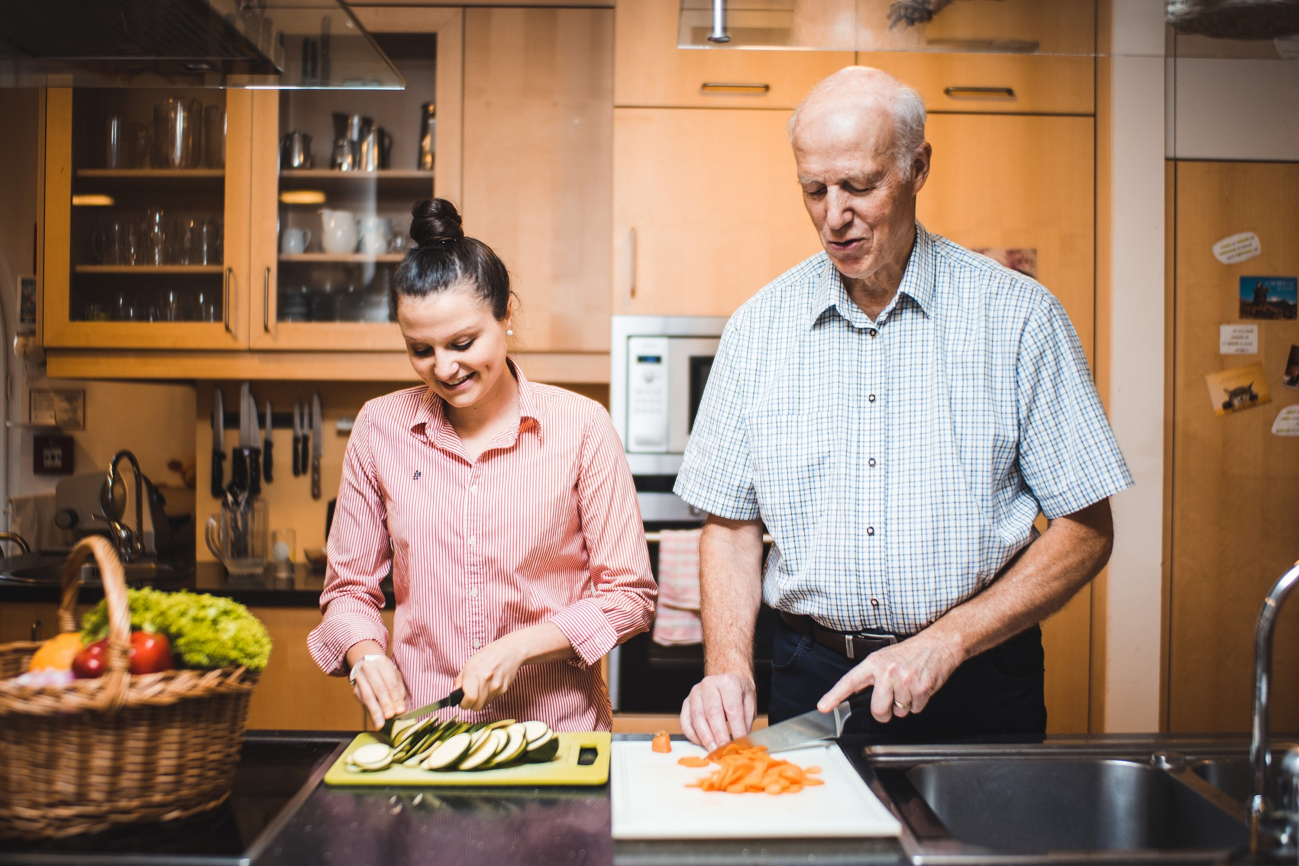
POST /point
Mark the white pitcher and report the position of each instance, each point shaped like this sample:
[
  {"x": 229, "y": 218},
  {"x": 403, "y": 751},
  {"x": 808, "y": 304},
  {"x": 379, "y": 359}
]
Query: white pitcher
[{"x": 339, "y": 235}]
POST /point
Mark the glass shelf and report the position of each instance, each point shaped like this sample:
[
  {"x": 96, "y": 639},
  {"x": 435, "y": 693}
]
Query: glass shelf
[{"x": 147, "y": 269}]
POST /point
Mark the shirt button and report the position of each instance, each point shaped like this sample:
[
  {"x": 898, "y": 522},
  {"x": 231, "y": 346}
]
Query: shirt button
[
  {"x": 870, "y": 530},
  {"x": 477, "y": 643},
  {"x": 871, "y": 398},
  {"x": 473, "y": 489},
  {"x": 871, "y": 462},
  {"x": 875, "y": 602},
  {"x": 471, "y": 541},
  {"x": 473, "y": 592},
  {"x": 873, "y": 332}
]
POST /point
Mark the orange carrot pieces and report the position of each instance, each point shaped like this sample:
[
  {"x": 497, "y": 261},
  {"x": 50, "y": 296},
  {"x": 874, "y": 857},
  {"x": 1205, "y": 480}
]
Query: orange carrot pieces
[
  {"x": 752, "y": 770},
  {"x": 661, "y": 742}
]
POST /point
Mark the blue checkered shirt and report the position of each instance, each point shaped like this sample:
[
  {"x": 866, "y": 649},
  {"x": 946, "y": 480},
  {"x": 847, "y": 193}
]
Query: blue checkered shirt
[{"x": 898, "y": 463}]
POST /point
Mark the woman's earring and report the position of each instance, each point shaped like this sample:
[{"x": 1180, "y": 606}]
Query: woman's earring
[{"x": 509, "y": 332}]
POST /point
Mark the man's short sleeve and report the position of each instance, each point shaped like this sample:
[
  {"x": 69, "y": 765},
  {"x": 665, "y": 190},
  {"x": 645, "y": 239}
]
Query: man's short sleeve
[
  {"x": 1067, "y": 452},
  {"x": 717, "y": 471}
]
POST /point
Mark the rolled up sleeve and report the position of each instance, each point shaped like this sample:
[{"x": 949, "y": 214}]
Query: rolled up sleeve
[
  {"x": 623, "y": 592},
  {"x": 359, "y": 557}
]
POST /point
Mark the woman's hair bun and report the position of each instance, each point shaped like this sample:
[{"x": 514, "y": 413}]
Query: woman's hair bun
[{"x": 433, "y": 221}]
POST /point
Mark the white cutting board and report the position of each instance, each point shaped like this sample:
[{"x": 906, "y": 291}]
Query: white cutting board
[{"x": 651, "y": 801}]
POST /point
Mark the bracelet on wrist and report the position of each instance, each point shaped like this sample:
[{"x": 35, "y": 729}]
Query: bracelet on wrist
[{"x": 351, "y": 675}]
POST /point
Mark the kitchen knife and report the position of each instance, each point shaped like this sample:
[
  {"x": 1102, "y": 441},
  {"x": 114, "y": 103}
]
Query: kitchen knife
[
  {"x": 251, "y": 440},
  {"x": 239, "y": 457},
  {"x": 266, "y": 444},
  {"x": 304, "y": 461},
  {"x": 218, "y": 443},
  {"x": 450, "y": 700},
  {"x": 317, "y": 444},
  {"x": 808, "y": 729},
  {"x": 297, "y": 437}
]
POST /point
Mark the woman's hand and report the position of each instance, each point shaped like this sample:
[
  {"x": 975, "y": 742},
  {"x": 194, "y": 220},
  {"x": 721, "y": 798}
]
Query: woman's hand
[
  {"x": 490, "y": 672},
  {"x": 377, "y": 683}
]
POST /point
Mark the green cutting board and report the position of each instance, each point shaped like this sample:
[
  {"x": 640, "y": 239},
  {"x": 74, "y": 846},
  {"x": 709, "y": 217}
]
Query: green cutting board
[{"x": 564, "y": 769}]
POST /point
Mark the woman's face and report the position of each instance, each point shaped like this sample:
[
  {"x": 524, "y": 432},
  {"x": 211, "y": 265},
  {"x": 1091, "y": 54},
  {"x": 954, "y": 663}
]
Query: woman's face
[{"x": 456, "y": 345}]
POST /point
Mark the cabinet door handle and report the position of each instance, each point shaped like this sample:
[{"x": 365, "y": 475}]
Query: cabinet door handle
[
  {"x": 740, "y": 89},
  {"x": 980, "y": 92},
  {"x": 225, "y": 301},
  {"x": 631, "y": 262},
  {"x": 266, "y": 301}
]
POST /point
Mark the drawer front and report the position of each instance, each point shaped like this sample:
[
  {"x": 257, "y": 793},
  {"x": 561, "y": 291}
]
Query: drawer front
[{"x": 994, "y": 83}]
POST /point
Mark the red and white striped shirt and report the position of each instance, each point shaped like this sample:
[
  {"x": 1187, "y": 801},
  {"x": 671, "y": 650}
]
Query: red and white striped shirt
[{"x": 542, "y": 527}]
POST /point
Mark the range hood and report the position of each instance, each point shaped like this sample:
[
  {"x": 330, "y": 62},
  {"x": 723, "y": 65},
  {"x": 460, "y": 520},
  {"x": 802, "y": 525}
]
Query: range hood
[
  {"x": 1206, "y": 28},
  {"x": 316, "y": 44}
]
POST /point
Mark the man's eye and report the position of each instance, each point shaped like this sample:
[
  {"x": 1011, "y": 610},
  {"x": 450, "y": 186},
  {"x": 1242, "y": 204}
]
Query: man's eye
[
  {"x": 814, "y": 192},
  {"x": 856, "y": 190}
]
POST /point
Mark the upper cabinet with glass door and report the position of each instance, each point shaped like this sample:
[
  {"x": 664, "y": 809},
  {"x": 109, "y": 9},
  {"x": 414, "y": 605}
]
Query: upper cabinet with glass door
[
  {"x": 345, "y": 168},
  {"x": 145, "y": 229}
]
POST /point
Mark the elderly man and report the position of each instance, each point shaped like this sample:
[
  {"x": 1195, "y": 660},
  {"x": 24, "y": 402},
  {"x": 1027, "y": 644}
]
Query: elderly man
[{"x": 896, "y": 411}]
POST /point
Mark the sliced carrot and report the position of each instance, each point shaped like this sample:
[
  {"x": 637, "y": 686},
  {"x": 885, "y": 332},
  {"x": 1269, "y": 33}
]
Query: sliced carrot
[
  {"x": 661, "y": 742},
  {"x": 752, "y": 770},
  {"x": 812, "y": 769},
  {"x": 693, "y": 761}
]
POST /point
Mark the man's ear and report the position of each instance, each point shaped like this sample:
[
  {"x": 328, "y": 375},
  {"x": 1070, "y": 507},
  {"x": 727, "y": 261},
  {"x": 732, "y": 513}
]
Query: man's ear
[{"x": 920, "y": 166}]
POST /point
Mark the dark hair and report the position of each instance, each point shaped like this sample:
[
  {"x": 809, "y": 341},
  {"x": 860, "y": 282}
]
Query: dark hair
[{"x": 443, "y": 256}]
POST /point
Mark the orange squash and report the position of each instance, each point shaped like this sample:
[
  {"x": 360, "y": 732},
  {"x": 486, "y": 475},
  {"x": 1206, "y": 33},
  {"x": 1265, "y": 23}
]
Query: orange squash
[{"x": 57, "y": 653}]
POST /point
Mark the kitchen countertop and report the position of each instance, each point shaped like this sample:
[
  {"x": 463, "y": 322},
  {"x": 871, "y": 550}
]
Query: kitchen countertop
[{"x": 211, "y": 577}]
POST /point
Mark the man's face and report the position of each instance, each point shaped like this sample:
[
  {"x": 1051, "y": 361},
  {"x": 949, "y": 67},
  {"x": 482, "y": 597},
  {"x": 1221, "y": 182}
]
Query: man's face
[{"x": 859, "y": 199}]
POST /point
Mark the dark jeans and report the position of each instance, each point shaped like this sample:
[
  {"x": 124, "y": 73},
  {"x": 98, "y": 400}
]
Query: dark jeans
[{"x": 997, "y": 692}]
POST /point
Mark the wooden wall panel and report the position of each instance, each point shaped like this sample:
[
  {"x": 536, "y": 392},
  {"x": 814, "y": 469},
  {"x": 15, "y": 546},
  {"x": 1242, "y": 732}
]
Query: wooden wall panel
[{"x": 1235, "y": 485}]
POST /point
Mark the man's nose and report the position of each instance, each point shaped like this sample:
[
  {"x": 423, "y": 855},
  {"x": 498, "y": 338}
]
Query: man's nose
[{"x": 838, "y": 209}]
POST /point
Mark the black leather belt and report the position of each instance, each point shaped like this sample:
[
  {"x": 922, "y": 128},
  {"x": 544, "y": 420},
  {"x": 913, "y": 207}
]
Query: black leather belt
[{"x": 855, "y": 646}]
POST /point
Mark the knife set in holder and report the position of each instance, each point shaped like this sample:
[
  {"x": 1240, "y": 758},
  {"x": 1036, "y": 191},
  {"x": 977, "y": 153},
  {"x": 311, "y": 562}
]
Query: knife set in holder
[{"x": 238, "y": 537}]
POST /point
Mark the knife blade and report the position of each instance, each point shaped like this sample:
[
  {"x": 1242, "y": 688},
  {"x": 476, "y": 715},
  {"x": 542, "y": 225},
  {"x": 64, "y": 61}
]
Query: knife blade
[
  {"x": 317, "y": 444},
  {"x": 266, "y": 444},
  {"x": 805, "y": 730},
  {"x": 239, "y": 456},
  {"x": 450, "y": 700},
  {"x": 218, "y": 443},
  {"x": 297, "y": 437},
  {"x": 252, "y": 444}
]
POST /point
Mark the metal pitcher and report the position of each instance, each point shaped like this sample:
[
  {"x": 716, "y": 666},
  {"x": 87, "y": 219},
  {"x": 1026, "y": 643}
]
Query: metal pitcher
[
  {"x": 376, "y": 146},
  {"x": 176, "y": 135},
  {"x": 295, "y": 150}
]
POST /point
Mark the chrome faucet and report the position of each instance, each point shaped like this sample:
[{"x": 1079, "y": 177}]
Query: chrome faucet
[
  {"x": 1259, "y": 807},
  {"x": 16, "y": 539},
  {"x": 130, "y": 544}
]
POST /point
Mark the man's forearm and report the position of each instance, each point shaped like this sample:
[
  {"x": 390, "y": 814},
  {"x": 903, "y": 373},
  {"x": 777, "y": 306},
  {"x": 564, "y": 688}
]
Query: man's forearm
[
  {"x": 730, "y": 589},
  {"x": 1051, "y": 570}
]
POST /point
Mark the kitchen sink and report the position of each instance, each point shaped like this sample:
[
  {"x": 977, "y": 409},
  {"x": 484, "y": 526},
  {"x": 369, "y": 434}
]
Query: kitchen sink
[{"x": 1058, "y": 802}]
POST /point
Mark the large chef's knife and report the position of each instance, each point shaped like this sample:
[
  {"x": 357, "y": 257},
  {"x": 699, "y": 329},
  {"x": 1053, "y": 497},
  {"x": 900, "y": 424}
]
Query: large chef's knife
[
  {"x": 218, "y": 444},
  {"x": 317, "y": 444},
  {"x": 239, "y": 457},
  {"x": 808, "y": 729},
  {"x": 451, "y": 700},
  {"x": 297, "y": 438},
  {"x": 250, "y": 439},
  {"x": 304, "y": 461},
  {"x": 266, "y": 444}
]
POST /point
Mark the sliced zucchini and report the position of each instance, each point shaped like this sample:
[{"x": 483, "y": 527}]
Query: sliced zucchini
[
  {"x": 486, "y": 750},
  {"x": 373, "y": 756},
  {"x": 535, "y": 731},
  {"x": 514, "y": 746},
  {"x": 503, "y": 723},
  {"x": 403, "y": 729},
  {"x": 543, "y": 753},
  {"x": 448, "y": 752},
  {"x": 548, "y": 737}
]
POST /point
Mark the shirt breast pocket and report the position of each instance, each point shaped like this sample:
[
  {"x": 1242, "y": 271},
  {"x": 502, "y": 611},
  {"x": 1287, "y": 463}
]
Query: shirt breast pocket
[{"x": 795, "y": 457}]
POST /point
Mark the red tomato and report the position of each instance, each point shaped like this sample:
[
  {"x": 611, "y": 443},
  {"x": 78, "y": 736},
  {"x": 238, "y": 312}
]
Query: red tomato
[
  {"x": 150, "y": 653},
  {"x": 92, "y": 661}
]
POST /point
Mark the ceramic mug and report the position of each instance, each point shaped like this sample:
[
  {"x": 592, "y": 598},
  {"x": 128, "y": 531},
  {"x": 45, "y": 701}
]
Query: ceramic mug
[
  {"x": 295, "y": 241},
  {"x": 338, "y": 237},
  {"x": 375, "y": 234}
]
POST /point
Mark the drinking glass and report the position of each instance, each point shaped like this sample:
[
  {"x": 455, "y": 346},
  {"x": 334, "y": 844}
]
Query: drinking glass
[
  {"x": 190, "y": 242},
  {"x": 155, "y": 233},
  {"x": 214, "y": 136}
]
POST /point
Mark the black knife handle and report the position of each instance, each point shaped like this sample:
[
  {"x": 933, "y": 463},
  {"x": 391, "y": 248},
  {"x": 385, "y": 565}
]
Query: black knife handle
[
  {"x": 239, "y": 469},
  {"x": 297, "y": 465},
  {"x": 266, "y": 461},
  {"x": 254, "y": 470},
  {"x": 218, "y": 474},
  {"x": 315, "y": 477}
]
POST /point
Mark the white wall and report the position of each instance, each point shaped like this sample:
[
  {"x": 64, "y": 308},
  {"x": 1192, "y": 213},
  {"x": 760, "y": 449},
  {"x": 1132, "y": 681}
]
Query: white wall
[{"x": 1134, "y": 594}]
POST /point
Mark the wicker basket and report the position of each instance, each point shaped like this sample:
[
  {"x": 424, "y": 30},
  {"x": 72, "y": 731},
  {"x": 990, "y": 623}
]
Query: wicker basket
[{"x": 117, "y": 750}]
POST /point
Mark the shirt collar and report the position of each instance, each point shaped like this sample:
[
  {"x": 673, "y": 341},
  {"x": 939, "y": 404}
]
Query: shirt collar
[
  {"x": 431, "y": 418},
  {"x": 917, "y": 284}
]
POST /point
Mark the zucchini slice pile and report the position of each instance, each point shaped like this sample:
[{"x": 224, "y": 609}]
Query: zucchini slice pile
[{"x": 454, "y": 745}]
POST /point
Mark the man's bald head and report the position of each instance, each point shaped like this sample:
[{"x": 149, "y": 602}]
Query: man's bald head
[{"x": 862, "y": 95}]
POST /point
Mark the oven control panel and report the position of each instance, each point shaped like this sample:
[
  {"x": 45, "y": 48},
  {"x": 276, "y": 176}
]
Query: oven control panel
[{"x": 647, "y": 394}]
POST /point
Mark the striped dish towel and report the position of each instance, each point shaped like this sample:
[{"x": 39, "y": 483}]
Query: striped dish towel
[{"x": 678, "y": 621}]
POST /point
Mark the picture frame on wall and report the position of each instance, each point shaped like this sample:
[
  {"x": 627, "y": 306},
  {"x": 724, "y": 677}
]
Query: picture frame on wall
[
  {"x": 65, "y": 410},
  {"x": 26, "y": 322}
]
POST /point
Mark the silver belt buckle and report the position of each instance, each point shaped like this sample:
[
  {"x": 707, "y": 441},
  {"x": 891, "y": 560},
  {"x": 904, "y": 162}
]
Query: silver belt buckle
[{"x": 889, "y": 640}]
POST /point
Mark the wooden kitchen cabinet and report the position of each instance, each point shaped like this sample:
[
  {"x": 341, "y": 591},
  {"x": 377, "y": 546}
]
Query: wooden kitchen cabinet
[
  {"x": 538, "y": 130},
  {"x": 135, "y": 255},
  {"x": 649, "y": 69},
  {"x": 337, "y": 299},
  {"x": 707, "y": 209},
  {"x": 293, "y": 693}
]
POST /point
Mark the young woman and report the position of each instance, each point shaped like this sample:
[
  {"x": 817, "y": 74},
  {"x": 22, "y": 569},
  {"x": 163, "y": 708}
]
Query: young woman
[{"x": 504, "y": 509}]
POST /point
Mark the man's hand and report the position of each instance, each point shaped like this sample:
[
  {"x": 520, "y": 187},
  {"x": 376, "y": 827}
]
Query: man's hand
[
  {"x": 905, "y": 676},
  {"x": 719, "y": 709}
]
